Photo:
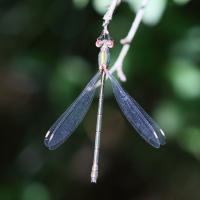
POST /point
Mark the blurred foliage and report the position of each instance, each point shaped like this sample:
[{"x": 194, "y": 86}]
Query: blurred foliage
[{"x": 47, "y": 56}]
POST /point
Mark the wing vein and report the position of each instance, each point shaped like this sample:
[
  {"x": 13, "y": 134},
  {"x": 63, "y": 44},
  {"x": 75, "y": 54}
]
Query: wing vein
[
  {"x": 137, "y": 117},
  {"x": 72, "y": 117}
]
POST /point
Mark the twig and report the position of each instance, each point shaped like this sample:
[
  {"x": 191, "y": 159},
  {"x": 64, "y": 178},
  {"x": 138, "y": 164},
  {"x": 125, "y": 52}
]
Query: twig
[
  {"x": 135, "y": 24},
  {"x": 108, "y": 16},
  {"x": 126, "y": 41}
]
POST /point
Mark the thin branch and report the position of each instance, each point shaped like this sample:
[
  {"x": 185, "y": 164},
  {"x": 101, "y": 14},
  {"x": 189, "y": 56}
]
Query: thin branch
[
  {"x": 127, "y": 40},
  {"x": 108, "y": 16},
  {"x": 135, "y": 24},
  {"x": 119, "y": 62},
  {"x": 126, "y": 43}
]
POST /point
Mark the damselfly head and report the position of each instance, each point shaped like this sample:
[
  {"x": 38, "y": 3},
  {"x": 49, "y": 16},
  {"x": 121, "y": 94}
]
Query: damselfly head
[{"x": 108, "y": 43}]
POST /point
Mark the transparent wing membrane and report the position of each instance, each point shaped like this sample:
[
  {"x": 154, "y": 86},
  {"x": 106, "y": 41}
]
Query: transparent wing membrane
[
  {"x": 72, "y": 117},
  {"x": 138, "y": 118},
  {"x": 158, "y": 130}
]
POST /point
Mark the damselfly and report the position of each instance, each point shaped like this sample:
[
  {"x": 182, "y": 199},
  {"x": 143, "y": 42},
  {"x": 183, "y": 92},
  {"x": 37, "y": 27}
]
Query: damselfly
[{"x": 72, "y": 117}]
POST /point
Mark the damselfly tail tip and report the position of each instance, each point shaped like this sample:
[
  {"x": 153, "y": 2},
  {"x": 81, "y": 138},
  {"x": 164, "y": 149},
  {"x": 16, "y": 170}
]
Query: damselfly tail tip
[
  {"x": 94, "y": 173},
  {"x": 93, "y": 180}
]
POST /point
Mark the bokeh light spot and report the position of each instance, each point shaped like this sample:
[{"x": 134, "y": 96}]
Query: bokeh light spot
[
  {"x": 74, "y": 69},
  {"x": 189, "y": 46},
  {"x": 190, "y": 140},
  {"x": 30, "y": 160},
  {"x": 181, "y": 2},
  {"x": 35, "y": 191},
  {"x": 70, "y": 72},
  {"x": 168, "y": 116},
  {"x": 101, "y": 6},
  {"x": 80, "y": 4},
  {"x": 185, "y": 78},
  {"x": 153, "y": 11}
]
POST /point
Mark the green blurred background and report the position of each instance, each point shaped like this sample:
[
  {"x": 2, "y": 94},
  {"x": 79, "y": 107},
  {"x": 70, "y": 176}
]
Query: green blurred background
[{"x": 48, "y": 55}]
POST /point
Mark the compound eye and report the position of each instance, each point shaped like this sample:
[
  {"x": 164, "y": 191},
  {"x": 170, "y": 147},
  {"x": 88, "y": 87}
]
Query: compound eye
[
  {"x": 110, "y": 44},
  {"x": 98, "y": 43}
]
